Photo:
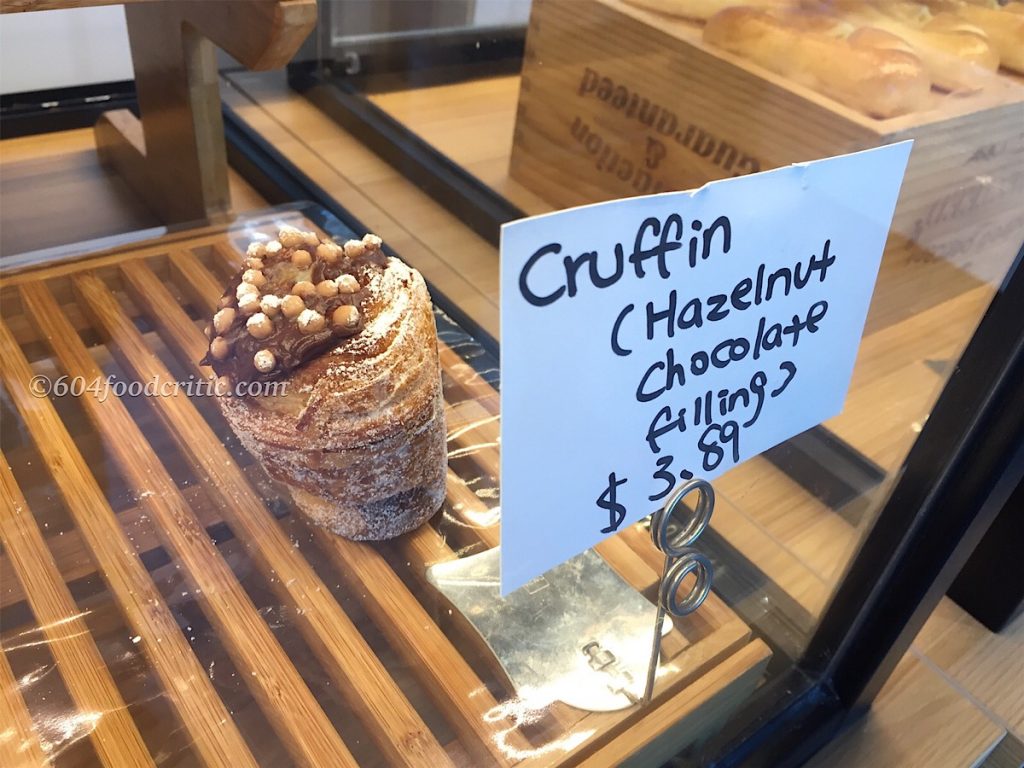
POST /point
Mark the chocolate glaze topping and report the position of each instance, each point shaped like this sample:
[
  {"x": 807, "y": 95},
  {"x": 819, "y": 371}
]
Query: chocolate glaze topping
[{"x": 256, "y": 314}]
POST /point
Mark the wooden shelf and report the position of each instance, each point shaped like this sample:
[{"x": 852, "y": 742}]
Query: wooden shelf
[{"x": 98, "y": 487}]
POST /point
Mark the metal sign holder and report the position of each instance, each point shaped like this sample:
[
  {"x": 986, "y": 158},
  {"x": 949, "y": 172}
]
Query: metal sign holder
[
  {"x": 680, "y": 561},
  {"x": 579, "y": 633}
]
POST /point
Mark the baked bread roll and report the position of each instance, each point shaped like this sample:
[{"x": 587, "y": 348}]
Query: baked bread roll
[
  {"x": 956, "y": 55},
  {"x": 1005, "y": 29},
  {"x": 701, "y": 10},
  {"x": 356, "y": 428},
  {"x": 819, "y": 51}
]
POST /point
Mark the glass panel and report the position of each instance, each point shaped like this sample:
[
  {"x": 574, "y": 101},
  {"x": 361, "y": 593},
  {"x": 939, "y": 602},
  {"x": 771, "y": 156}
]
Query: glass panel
[
  {"x": 587, "y": 101},
  {"x": 580, "y": 118},
  {"x": 431, "y": 123},
  {"x": 441, "y": 127}
]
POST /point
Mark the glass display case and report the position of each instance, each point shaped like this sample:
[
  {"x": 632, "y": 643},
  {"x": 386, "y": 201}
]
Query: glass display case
[{"x": 162, "y": 599}]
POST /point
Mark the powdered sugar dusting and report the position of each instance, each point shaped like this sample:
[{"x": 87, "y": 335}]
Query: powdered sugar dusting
[{"x": 383, "y": 291}]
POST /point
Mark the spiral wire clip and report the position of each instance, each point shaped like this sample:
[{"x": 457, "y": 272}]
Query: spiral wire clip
[{"x": 680, "y": 561}]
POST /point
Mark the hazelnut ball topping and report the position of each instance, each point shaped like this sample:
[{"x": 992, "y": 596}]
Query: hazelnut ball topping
[
  {"x": 310, "y": 321},
  {"x": 271, "y": 305},
  {"x": 354, "y": 249},
  {"x": 296, "y": 297},
  {"x": 244, "y": 288},
  {"x": 249, "y": 303},
  {"x": 259, "y": 326},
  {"x": 328, "y": 253},
  {"x": 220, "y": 348},
  {"x": 326, "y": 289},
  {"x": 345, "y": 316},
  {"x": 347, "y": 284},
  {"x": 254, "y": 277},
  {"x": 290, "y": 237},
  {"x": 223, "y": 319},
  {"x": 291, "y": 306},
  {"x": 264, "y": 361}
]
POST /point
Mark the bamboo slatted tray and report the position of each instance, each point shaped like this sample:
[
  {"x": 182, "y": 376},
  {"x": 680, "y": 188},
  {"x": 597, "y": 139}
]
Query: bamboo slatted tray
[
  {"x": 162, "y": 602},
  {"x": 618, "y": 101}
]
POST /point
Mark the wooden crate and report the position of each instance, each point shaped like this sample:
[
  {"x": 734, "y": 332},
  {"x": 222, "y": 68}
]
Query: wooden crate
[
  {"x": 617, "y": 101},
  {"x": 157, "y": 565}
]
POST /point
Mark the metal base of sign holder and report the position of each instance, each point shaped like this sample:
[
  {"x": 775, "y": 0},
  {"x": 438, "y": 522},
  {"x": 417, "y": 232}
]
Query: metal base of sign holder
[{"x": 580, "y": 634}]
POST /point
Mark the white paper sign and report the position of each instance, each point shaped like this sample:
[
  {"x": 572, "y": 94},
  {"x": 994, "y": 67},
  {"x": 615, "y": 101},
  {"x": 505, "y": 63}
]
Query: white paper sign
[{"x": 648, "y": 339}]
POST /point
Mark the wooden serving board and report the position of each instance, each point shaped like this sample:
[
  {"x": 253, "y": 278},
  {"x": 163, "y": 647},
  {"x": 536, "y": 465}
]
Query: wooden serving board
[
  {"x": 163, "y": 602},
  {"x": 618, "y": 101}
]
